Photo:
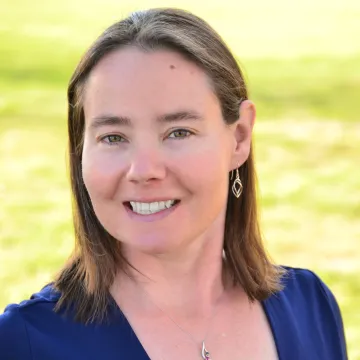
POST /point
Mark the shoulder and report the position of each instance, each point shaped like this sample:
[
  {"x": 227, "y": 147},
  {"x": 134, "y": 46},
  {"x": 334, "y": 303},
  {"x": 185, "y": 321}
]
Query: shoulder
[
  {"x": 14, "y": 343},
  {"x": 308, "y": 306},
  {"x": 303, "y": 286},
  {"x": 14, "y": 337}
]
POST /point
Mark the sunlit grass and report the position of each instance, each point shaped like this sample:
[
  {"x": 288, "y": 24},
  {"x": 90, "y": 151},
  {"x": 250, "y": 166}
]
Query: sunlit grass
[{"x": 302, "y": 68}]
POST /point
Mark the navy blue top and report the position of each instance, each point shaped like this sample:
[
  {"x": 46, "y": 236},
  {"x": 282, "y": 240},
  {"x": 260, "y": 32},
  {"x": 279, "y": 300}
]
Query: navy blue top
[{"x": 304, "y": 318}]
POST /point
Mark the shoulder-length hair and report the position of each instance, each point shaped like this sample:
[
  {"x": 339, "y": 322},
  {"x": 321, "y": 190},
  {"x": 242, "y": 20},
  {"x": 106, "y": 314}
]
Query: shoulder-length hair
[{"x": 85, "y": 280}]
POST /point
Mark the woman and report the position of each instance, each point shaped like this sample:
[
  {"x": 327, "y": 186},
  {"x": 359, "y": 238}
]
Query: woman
[{"x": 169, "y": 261}]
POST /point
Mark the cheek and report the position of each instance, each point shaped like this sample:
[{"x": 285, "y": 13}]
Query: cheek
[
  {"x": 205, "y": 170},
  {"x": 101, "y": 173}
]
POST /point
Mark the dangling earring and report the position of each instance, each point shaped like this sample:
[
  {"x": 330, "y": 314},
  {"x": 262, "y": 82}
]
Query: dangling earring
[{"x": 237, "y": 186}]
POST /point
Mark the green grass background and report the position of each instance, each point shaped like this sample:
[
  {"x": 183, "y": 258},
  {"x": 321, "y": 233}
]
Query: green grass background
[{"x": 302, "y": 64}]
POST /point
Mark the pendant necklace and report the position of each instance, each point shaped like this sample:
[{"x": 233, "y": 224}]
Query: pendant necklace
[{"x": 205, "y": 354}]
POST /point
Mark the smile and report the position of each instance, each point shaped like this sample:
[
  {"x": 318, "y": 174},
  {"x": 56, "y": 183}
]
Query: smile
[{"x": 148, "y": 208}]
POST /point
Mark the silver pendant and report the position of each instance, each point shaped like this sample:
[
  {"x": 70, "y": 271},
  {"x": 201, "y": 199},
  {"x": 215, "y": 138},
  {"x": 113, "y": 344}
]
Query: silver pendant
[{"x": 204, "y": 353}]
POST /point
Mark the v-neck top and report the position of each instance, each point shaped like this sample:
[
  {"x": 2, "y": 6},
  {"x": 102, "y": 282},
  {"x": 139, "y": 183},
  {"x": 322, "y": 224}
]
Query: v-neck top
[{"x": 304, "y": 318}]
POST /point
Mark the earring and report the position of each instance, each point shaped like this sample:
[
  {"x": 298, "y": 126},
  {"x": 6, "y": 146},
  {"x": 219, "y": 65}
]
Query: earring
[{"x": 237, "y": 186}]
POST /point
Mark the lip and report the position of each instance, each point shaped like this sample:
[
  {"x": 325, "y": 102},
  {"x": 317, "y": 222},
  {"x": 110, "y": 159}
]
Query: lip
[{"x": 151, "y": 217}]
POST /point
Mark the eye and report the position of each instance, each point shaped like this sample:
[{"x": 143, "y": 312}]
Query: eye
[
  {"x": 180, "y": 134},
  {"x": 112, "y": 139}
]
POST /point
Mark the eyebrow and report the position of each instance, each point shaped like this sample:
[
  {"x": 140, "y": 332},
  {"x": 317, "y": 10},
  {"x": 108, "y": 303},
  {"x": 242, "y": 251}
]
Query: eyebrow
[{"x": 114, "y": 120}]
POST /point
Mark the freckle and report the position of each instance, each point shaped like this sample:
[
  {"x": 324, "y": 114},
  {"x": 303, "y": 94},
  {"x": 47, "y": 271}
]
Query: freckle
[{"x": 172, "y": 66}]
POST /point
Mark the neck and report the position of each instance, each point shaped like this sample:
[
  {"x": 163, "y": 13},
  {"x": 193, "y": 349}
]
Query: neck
[{"x": 188, "y": 284}]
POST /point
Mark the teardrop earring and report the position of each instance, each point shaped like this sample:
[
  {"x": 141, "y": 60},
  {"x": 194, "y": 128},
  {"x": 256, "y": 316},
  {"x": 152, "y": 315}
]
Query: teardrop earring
[{"x": 237, "y": 187}]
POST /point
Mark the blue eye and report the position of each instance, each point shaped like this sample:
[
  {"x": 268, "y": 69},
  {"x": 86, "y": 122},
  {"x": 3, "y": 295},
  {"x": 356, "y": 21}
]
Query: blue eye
[
  {"x": 180, "y": 134},
  {"x": 112, "y": 139}
]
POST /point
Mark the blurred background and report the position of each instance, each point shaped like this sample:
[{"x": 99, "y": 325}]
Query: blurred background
[{"x": 302, "y": 64}]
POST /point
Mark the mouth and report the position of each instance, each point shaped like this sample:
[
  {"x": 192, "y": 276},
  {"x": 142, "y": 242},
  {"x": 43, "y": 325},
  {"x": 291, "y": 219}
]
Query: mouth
[{"x": 149, "y": 208}]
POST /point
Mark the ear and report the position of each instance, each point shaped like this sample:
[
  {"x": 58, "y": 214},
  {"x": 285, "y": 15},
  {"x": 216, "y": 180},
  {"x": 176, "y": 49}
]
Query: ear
[{"x": 242, "y": 133}]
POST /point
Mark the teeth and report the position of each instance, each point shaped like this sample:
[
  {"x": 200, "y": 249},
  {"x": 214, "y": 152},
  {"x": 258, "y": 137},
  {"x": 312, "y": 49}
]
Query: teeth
[
  {"x": 151, "y": 208},
  {"x": 144, "y": 207},
  {"x": 137, "y": 207}
]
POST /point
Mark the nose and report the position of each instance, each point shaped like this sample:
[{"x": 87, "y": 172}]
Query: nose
[{"x": 146, "y": 165}]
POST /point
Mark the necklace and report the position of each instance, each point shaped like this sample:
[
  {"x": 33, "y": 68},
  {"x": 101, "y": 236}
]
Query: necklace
[{"x": 205, "y": 354}]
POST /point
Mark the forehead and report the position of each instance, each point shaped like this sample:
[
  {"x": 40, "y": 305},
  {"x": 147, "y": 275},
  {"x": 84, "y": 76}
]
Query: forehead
[{"x": 131, "y": 80}]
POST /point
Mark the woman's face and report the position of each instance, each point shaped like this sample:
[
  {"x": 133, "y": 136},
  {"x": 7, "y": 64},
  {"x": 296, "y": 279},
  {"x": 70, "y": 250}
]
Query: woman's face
[{"x": 157, "y": 152}]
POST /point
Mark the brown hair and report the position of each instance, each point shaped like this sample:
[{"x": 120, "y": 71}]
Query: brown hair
[{"x": 85, "y": 280}]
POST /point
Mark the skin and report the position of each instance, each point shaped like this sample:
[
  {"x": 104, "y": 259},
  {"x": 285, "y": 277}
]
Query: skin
[{"x": 179, "y": 255}]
